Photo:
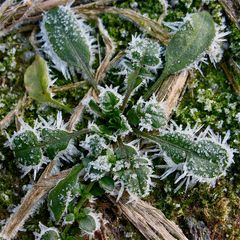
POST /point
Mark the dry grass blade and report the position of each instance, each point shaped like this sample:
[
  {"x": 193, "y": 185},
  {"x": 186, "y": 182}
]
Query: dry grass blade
[
  {"x": 150, "y": 221},
  {"x": 232, "y": 8},
  {"x": 171, "y": 91},
  {"x": 110, "y": 50},
  {"x": 151, "y": 27}
]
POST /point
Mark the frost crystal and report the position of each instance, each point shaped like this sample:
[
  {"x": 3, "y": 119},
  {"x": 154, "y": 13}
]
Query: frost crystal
[
  {"x": 98, "y": 168},
  {"x": 94, "y": 144}
]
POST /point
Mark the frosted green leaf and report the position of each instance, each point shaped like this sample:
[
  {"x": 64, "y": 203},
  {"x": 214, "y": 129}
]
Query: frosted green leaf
[
  {"x": 69, "y": 218},
  {"x": 187, "y": 46},
  {"x": 189, "y": 43},
  {"x": 88, "y": 224},
  {"x": 141, "y": 62},
  {"x": 50, "y": 235},
  {"x": 27, "y": 149},
  {"x": 109, "y": 99},
  {"x": 37, "y": 81},
  {"x": 202, "y": 158},
  {"x": 147, "y": 115},
  {"x": 55, "y": 141},
  {"x": 63, "y": 193},
  {"x": 68, "y": 42},
  {"x": 106, "y": 183},
  {"x": 133, "y": 170},
  {"x": 47, "y": 233}
]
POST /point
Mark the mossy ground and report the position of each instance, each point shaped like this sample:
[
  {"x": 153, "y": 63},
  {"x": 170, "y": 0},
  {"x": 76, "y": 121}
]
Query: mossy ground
[{"x": 209, "y": 100}]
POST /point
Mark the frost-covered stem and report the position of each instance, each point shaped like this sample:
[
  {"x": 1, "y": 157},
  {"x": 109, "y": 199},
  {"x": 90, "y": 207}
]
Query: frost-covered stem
[
  {"x": 133, "y": 76},
  {"x": 67, "y": 87},
  {"x": 85, "y": 197},
  {"x": 155, "y": 86}
]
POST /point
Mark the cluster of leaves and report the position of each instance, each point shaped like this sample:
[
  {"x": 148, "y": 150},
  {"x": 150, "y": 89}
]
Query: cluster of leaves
[{"x": 112, "y": 156}]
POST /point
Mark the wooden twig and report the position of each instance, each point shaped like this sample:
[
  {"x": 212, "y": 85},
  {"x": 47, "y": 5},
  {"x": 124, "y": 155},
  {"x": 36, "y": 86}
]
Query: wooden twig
[
  {"x": 150, "y": 221},
  {"x": 150, "y": 26},
  {"x": 171, "y": 91},
  {"x": 232, "y": 8},
  {"x": 109, "y": 52},
  {"x": 8, "y": 119}
]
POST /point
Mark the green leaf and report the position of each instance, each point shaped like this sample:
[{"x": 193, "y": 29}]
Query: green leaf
[
  {"x": 107, "y": 183},
  {"x": 133, "y": 170},
  {"x": 37, "y": 80},
  {"x": 69, "y": 41},
  {"x": 109, "y": 99},
  {"x": 193, "y": 39},
  {"x": 187, "y": 46},
  {"x": 27, "y": 149},
  {"x": 87, "y": 224},
  {"x": 69, "y": 218},
  {"x": 147, "y": 115},
  {"x": 62, "y": 194},
  {"x": 204, "y": 158},
  {"x": 50, "y": 235},
  {"x": 55, "y": 141}
]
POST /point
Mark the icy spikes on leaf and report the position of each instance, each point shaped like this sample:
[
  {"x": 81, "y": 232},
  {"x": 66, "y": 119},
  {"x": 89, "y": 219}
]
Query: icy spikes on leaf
[
  {"x": 133, "y": 171},
  {"x": 98, "y": 168},
  {"x": 47, "y": 233},
  {"x": 26, "y": 147},
  {"x": 27, "y": 151},
  {"x": 37, "y": 81},
  {"x": 60, "y": 197},
  {"x": 58, "y": 143},
  {"x": 68, "y": 42},
  {"x": 203, "y": 158},
  {"x": 147, "y": 115}
]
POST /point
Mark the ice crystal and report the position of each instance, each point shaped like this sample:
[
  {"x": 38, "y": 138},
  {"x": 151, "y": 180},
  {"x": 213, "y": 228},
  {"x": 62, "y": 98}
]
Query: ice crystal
[{"x": 98, "y": 168}]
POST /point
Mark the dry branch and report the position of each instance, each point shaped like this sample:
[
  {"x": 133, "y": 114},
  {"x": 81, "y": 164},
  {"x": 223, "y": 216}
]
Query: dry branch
[
  {"x": 232, "y": 8},
  {"x": 150, "y": 221}
]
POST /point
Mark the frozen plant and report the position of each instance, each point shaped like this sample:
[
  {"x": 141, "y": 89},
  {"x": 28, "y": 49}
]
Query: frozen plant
[{"x": 126, "y": 131}]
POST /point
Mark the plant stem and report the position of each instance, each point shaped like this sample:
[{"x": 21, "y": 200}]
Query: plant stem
[
  {"x": 84, "y": 198},
  {"x": 155, "y": 86}
]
